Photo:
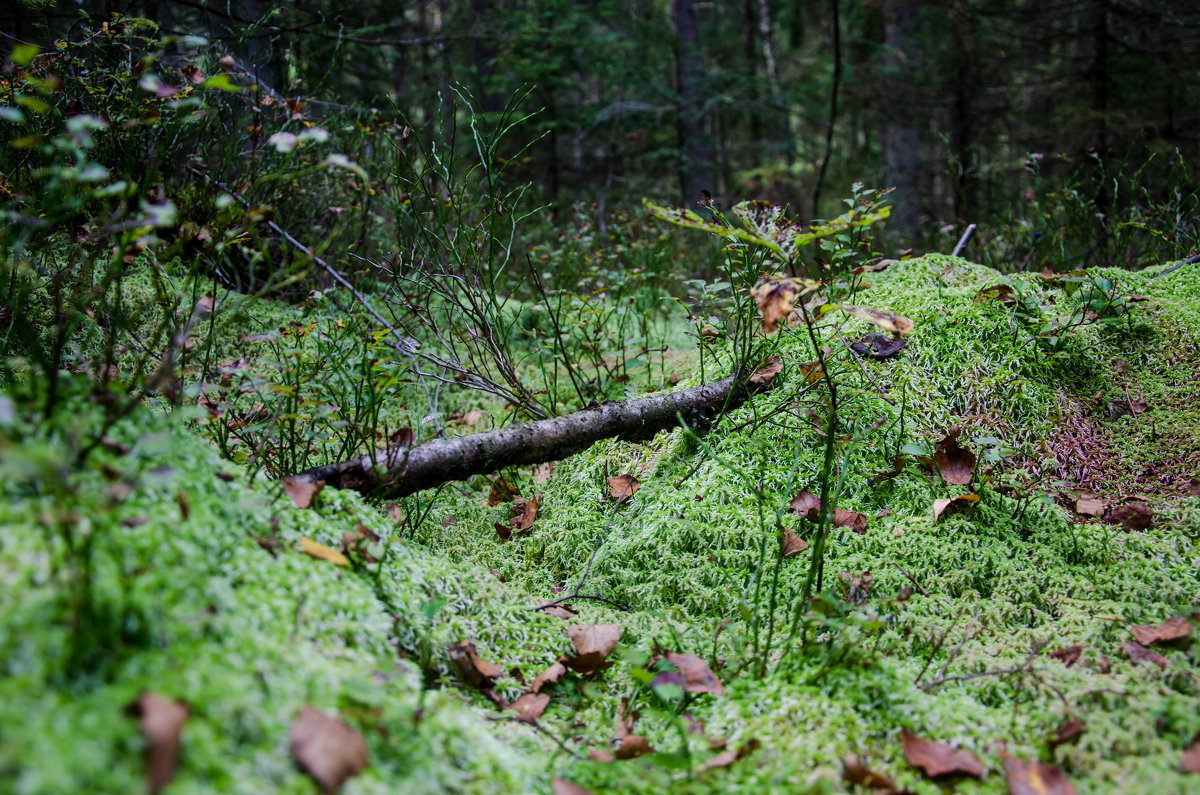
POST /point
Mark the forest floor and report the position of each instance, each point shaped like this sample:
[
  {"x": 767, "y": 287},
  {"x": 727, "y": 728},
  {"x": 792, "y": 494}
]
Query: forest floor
[{"x": 167, "y": 614}]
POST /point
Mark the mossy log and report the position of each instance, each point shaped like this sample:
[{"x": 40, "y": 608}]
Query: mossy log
[{"x": 399, "y": 471}]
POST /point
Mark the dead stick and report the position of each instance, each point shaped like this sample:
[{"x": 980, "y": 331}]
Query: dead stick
[
  {"x": 911, "y": 579},
  {"x": 401, "y": 471},
  {"x": 962, "y": 241}
]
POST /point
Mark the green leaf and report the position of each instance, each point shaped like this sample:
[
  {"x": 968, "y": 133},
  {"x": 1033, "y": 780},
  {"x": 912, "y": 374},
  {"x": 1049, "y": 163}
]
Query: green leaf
[
  {"x": 23, "y": 54},
  {"x": 35, "y": 104},
  {"x": 220, "y": 82}
]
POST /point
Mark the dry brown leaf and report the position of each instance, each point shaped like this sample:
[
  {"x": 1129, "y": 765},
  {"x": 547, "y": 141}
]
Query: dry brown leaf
[
  {"x": 1191, "y": 757},
  {"x": 302, "y": 492},
  {"x": 806, "y": 504},
  {"x": 878, "y": 346},
  {"x": 622, "y": 487},
  {"x": 961, "y": 502},
  {"x": 997, "y": 293},
  {"x": 1089, "y": 504},
  {"x": 322, "y": 552},
  {"x": 160, "y": 720},
  {"x": 501, "y": 491},
  {"x": 593, "y": 643},
  {"x": 812, "y": 371},
  {"x": 542, "y": 473},
  {"x": 852, "y": 519},
  {"x": 766, "y": 374},
  {"x": 856, "y": 773},
  {"x": 1194, "y": 487},
  {"x": 560, "y": 786},
  {"x": 856, "y": 588},
  {"x": 792, "y": 543},
  {"x": 474, "y": 670},
  {"x": 1068, "y": 655},
  {"x": 729, "y": 756},
  {"x": 697, "y": 676},
  {"x": 561, "y": 611},
  {"x": 1035, "y": 778},
  {"x": 1066, "y": 733},
  {"x": 326, "y": 748},
  {"x": 524, "y": 512},
  {"x": 548, "y": 677},
  {"x": 886, "y": 319},
  {"x": 939, "y": 759},
  {"x": 472, "y": 418},
  {"x": 955, "y": 464},
  {"x": 596, "y": 755},
  {"x": 776, "y": 298},
  {"x": 1173, "y": 628},
  {"x": 530, "y": 706},
  {"x": 631, "y": 746},
  {"x": 1134, "y": 516},
  {"x": 1139, "y": 653},
  {"x": 395, "y": 512}
]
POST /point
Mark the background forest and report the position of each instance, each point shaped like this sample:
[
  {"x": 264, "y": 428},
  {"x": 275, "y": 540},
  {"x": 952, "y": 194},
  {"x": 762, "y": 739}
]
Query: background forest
[{"x": 921, "y": 281}]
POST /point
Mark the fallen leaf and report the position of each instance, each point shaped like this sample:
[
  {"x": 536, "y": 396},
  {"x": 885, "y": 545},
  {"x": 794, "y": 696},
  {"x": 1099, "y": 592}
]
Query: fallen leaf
[
  {"x": 622, "y": 487},
  {"x": 766, "y": 374},
  {"x": 326, "y": 748},
  {"x": 302, "y": 492},
  {"x": 1191, "y": 757},
  {"x": 812, "y": 371},
  {"x": 729, "y": 756},
  {"x": 560, "y": 611},
  {"x": 631, "y": 746},
  {"x": 1035, "y": 778},
  {"x": 530, "y": 706},
  {"x": 883, "y": 318},
  {"x": 880, "y": 265},
  {"x": 961, "y": 502},
  {"x": 852, "y": 519},
  {"x": 449, "y": 521},
  {"x": 1139, "y": 653},
  {"x": 939, "y": 759},
  {"x": 955, "y": 464},
  {"x": 1069, "y": 655},
  {"x": 792, "y": 543},
  {"x": 542, "y": 473},
  {"x": 593, "y": 643},
  {"x": 1089, "y": 504},
  {"x": 524, "y": 513},
  {"x": 548, "y": 677},
  {"x": 1173, "y": 628},
  {"x": 856, "y": 588},
  {"x": 1066, "y": 732},
  {"x": 322, "y": 552},
  {"x": 856, "y": 773},
  {"x": 1134, "y": 516},
  {"x": 395, "y": 512},
  {"x": 474, "y": 670},
  {"x": 403, "y": 438},
  {"x": 160, "y": 720},
  {"x": 597, "y": 755},
  {"x": 560, "y": 786},
  {"x": 472, "y": 418},
  {"x": 501, "y": 491},
  {"x": 878, "y": 346},
  {"x": 776, "y": 298},
  {"x": 806, "y": 504},
  {"x": 997, "y": 293},
  {"x": 697, "y": 676}
]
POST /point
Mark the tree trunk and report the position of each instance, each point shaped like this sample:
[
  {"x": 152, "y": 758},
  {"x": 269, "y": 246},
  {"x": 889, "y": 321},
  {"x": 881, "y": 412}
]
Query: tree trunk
[
  {"x": 901, "y": 140},
  {"x": 697, "y": 168},
  {"x": 406, "y": 470}
]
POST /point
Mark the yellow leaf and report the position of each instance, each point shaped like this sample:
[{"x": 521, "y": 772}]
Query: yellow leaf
[{"x": 323, "y": 552}]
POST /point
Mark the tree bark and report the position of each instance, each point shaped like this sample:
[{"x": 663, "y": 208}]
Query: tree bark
[
  {"x": 399, "y": 471},
  {"x": 697, "y": 168}
]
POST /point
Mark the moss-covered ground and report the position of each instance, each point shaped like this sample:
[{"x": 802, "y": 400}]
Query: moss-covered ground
[{"x": 159, "y": 566}]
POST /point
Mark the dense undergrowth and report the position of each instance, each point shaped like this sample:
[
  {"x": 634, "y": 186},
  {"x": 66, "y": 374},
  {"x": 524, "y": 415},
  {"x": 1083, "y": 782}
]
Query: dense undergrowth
[{"x": 171, "y": 350}]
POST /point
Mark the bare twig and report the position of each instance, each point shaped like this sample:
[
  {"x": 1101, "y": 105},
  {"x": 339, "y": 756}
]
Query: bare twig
[
  {"x": 858, "y": 361},
  {"x": 1190, "y": 260},
  {"x": 962, "y": 241},
  {"x": 911, "y": 578}
]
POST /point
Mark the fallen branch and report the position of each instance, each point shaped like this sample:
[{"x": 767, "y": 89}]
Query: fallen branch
[
  {"x": 399, "y": 471},
  {"x": 1190, "y": 260}
]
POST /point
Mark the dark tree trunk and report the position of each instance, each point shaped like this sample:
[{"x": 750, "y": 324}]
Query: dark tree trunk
[
  {"x": 901, "y": 138},
  {"x": 697, "y": 172}
]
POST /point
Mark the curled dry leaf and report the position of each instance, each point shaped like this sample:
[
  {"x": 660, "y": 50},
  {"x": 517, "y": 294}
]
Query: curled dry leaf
[
  {"x": 560, "y": 786},
  {"x": 564, "y": 612},
  {"x": 792, "y": 544},
  {"x": 1066, "y": 733},
  {"x": 593, "y": 644},
  {"x": 1191, "y": 757},
  {"x": 326, "y": 748},
  {"x": 524, "y": 515},
  {"x": 1139, "y": 654},
  {"x": 501, "y": 491},
  {"x": 629, "y": 744},
  {"x": 729, "y": 756},
  {"x": 776, "y": 298},
  {"x": 955, "y": 464},
  {"x": 766, "y": 374},
  {"x": 474, "y": 670},
  {"x": 878, "y": 346},
  {"x": 885, "y": 319},
  {"x": 1035, "y": 778},
  {"x": 853, "y": 519},
  {"x": 160, "y": 720},
  {"x": 1173, "y": 628},
  {"x": 806, "y": 504},
  {"x": 939, "y": 759},
  {"x": 948, "y": 505},
  {"x": 1089, "y": 504},
  {"x": 622, "y": 487},
  {"x": 548, "y": 677},
  {"x": 1068, "y": 655},
  {"x": 997, "y": 294},
  {"x": 1134, "y": 516},
  {"x": 856, "y": 773},
  {"x": 542, "y": 473},
  {"x": 322, "y": 552},
  {"x": 302, "y": 492},
  {"x": 530, "y": 706},
  {"x": 812, "y": 371},
  {"x": 472, "y": 418},
  {"x": 697, "y": 676}
]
